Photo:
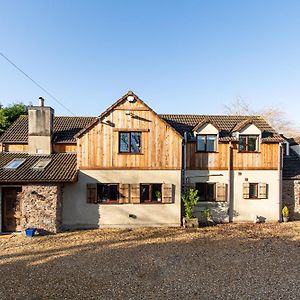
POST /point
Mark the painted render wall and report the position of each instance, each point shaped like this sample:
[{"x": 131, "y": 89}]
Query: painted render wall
[
  {"x": 77, "y": 213},
  {"x": 243, "y": 209}
]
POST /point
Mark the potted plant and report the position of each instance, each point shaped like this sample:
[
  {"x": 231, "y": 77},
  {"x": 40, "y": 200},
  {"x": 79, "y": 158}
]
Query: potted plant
[
  {"x": 190, "y": 200},
  {"x": 285, "y": 214},
  {"x": 158, "y": 196}
]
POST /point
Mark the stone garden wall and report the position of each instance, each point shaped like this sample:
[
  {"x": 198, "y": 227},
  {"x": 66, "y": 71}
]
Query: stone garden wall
[
  {"x": 291, "y": 197},
  {"x": 41, "y": 207}
]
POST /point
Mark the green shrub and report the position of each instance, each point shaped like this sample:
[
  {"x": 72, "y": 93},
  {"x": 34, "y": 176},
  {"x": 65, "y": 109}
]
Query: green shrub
[
  {"x": 190, "y": 200},
  {"x": 207, "y": 214}
]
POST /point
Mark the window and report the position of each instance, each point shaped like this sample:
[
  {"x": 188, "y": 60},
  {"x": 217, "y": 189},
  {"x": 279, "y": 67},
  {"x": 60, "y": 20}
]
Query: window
[
  {"x": 107, "y": 193},
  {"x": 41, "y": 164},
  {"x": 207, "y": 143},
  {"x": 253, "y": 190},
  {"x": 14, "y": 164},
  {"x": 206, "y": 191},
  {"x": 129, "y": 142},
  {"x": 150, "y": 193},
  {"x": 248, "y": 143}
]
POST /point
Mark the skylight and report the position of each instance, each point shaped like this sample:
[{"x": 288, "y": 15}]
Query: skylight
[
  {"x": 41, "y": 164},
  {"x": 15, "y": 163}
]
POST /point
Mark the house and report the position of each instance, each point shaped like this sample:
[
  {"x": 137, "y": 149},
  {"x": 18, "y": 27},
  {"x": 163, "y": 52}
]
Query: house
[
  {"x": 291, "y": 177},
  {"x": 128, "y": 167}
]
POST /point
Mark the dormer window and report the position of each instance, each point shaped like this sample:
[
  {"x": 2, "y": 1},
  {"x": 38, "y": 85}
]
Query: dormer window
[
  {"x": 130, "y": 142},
  {"x": 206, "y": 143},
  {"x": 248, "y": 143}
]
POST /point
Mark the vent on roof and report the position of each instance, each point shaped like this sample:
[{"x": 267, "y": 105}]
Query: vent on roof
[
  {"x": 14, "y": 164},
  {"x": 41, "y": 164}
]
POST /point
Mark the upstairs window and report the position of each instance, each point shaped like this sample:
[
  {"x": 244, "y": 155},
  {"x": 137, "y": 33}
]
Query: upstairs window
[
  {"x": 14, "y": 164},
  {"x": 206, "y": 142},
  {"x": 248, "y": 143},
  {"x": 130, "y": 142}
]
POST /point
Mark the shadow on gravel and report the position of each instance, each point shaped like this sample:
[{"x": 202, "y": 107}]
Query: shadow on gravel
[{"x": 219, "y": 263}]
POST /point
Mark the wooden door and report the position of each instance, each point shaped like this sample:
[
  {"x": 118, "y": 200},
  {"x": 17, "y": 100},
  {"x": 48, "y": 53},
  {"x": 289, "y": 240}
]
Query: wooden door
[{"x": 11, "y": 213}]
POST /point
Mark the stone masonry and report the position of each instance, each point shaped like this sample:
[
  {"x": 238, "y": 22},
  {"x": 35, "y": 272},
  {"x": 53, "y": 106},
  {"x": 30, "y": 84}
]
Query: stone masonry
[
  {"x": 41, "y": 207},
  {"x": 291, "y": 197}
]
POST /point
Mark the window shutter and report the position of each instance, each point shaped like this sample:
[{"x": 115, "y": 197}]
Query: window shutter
[
  {"x": 167, "y": 193},
  {"x": 246, "y": 189},
  {"x": 221, "y": 192},
  {"x": 135, "y": 193},
  {"x": 262, "y": 191},
  {"x": 91, "y": 189},
  {"x": 123, "y": 193}
]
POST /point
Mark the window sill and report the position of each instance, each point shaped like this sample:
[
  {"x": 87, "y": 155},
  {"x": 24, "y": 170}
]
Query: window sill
[
  {"x": 130, "y": 153},
  {"x": 249, "y": 152},
  {"x": 207, "y": 151}
]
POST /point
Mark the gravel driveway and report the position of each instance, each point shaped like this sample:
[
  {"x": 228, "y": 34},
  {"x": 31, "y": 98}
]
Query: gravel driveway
[{"x": 232, "y": 261}]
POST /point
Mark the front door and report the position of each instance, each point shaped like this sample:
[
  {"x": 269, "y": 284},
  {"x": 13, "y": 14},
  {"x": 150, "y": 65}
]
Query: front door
[{"x": 11, "y": 213}]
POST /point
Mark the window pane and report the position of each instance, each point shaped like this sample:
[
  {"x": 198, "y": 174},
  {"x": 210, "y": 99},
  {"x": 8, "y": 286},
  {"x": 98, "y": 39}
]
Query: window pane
[
  {"x": 211, "y": 143},
  {"x": 210, "y": 192},
  {"x": 156, "y": 192},
  {"x": 242, "y": 143},
  {"x": 253, "y": 190},
  {"x": 252, "y": 142},
  {"x": 124, "y": 141},
  {"x": 145, "y": 191},
  {"x": 201, "y": 187},
  {"x": 102, "y": 192},
  {"x": 200, "y": 142},
  {"x": 113, "y": 192},
  {"x": 135, "y": 142}
]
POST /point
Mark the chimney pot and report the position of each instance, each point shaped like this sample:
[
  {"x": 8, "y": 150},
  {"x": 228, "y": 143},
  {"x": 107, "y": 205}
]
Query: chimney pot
[{"x": 41, "y": 101}]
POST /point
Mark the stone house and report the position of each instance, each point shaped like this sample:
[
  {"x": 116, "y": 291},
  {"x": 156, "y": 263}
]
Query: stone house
[{"x": 128, "y": 166}]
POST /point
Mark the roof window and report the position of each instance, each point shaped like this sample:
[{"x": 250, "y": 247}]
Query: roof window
[
  {"x": 41, "y": 164},
  {"x": 15, "y": 163}
]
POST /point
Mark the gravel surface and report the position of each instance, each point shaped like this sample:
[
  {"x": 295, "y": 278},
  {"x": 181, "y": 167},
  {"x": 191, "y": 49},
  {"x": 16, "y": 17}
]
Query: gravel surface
[{"x": 232, "y": 261}]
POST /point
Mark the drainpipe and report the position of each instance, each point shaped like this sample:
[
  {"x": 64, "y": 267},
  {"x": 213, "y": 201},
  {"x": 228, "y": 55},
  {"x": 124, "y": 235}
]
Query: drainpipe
[
  {"x": 184, "y": 161},
  {"x": 229, "y": 191},
  {"x": 280, "y": 166}
]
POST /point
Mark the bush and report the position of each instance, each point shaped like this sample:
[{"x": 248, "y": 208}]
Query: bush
[{"x": 190, "y": 200}]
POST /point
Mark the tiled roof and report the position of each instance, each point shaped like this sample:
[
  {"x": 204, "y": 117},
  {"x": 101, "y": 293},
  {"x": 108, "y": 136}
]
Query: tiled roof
[
  {"x": 291, "y": 166},
  {"x": 62, "y": 168},
  {"x": 64, "y": 129},
  {"x": 225, "y": 123}
]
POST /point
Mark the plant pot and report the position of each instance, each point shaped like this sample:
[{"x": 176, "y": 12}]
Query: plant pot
[
  {"x": 158, "y": 199},
  {"x": 285, "y": 219},
  {"x": 190, "y": 223},
  {"x": 30, "y": 232}
]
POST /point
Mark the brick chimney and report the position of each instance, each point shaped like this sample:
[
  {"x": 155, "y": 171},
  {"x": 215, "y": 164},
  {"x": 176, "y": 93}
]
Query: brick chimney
[{"x": 40, "y": 128}]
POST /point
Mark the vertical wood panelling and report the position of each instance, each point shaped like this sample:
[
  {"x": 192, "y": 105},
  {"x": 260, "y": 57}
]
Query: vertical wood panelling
[{"x": 161, "y": 145}]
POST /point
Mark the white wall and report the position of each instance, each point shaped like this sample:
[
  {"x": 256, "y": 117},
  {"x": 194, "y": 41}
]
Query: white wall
[
  {"x": 208, "y": 129},
  {"x": 243, "y": 209},
  {"x": 77, "y": 213},
  {"x": 250, "y": 129}
]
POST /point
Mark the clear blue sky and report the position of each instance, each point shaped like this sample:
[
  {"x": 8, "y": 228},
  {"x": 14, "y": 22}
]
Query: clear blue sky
[{"x": 178, "y": 56}]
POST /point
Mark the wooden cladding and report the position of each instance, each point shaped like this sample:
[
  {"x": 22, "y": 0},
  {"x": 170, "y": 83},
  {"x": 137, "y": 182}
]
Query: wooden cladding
[
  {"x": 64, "y": 148},
  {"x": 16, "y": 148},
  {"x": 266, "y": 159},
  {"x": 161, "y": 146}
]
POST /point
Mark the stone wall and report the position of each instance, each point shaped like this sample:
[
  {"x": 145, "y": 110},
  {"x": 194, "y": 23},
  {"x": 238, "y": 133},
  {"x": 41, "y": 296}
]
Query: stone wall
[
  {"x": 291, "y": 197},
  {"x": 41, "y": 207}
]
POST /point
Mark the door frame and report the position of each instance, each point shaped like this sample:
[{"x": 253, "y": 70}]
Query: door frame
[{"x": 1, "y": 203}]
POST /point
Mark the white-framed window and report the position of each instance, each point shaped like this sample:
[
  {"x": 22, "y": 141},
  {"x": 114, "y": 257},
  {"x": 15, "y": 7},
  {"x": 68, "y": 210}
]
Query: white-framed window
[{"x": 206, "y": 143}]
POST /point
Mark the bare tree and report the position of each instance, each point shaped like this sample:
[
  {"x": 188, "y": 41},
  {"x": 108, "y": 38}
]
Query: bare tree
[{"x": 275, "y": 116}]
